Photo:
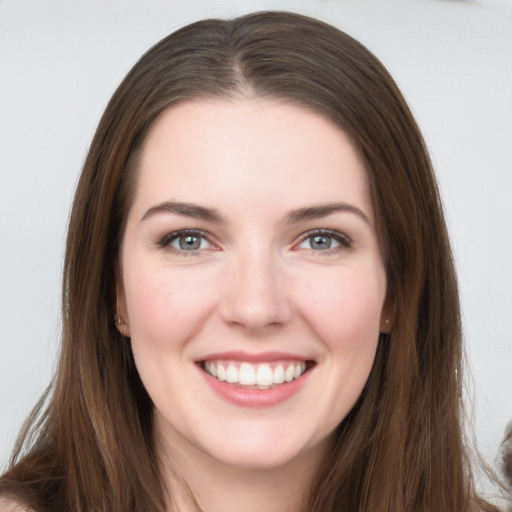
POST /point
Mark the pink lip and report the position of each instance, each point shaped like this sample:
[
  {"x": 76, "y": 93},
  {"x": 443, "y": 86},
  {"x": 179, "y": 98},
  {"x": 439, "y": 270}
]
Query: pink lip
[
  {"x": 255, "y": 398},
  {"x": 265, "y": 357}
]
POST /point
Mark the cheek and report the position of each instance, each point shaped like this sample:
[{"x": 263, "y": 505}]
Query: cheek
[
  {"x": 165, "y": 311},
  {"x": 345, "y": 311},
  {"x": 164, "y": 307},
  {"x": 148, "y": 303}
]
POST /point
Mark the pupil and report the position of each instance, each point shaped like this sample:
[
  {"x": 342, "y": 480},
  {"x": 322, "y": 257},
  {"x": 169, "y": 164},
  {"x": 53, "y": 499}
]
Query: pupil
[
  {"x": 190, "y": 242},
  {"x": 321, "y": 242}
]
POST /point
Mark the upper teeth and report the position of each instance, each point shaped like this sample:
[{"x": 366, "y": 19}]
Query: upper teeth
[{"x": 248, "y": 374}]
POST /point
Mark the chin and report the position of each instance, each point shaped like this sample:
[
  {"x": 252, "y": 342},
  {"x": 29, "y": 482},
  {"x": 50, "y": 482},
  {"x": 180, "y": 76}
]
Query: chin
[{"x": 269, "y": 454}]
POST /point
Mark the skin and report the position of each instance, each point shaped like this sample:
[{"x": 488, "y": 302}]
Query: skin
[
  {"x": 257, "y": 284},
  {"x": 7, "y": 505}
]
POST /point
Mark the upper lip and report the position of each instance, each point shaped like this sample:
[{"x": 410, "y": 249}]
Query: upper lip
[{"x": 262, "y": 357}]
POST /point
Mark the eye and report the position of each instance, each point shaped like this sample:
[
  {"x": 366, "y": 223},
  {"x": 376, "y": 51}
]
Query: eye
[
  {"x": 324, "y": 240},
  {"x": 186, "y": 241}
]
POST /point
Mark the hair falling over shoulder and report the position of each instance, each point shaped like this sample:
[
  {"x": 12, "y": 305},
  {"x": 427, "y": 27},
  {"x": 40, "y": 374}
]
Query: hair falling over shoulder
[{"x": 89, "y": 443}]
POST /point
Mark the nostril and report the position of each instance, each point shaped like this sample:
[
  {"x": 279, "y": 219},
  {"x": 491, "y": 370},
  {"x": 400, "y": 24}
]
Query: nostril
[
  {"x": 254, "y": 296},
  {"x": 255, "y": 314}
]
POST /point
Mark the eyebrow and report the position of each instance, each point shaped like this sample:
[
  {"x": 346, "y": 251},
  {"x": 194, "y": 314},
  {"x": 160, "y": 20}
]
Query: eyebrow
[
  {"x": 210, "y": 214},
  {"x": 185, "y": 209},
  {"x": 320, "y": 211}
]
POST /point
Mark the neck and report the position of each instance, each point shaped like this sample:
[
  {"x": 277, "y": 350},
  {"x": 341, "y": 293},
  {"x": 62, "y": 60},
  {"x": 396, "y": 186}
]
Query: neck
[
  {"x": 199, "y": 483},
  {"x": 247, "y": 490}
]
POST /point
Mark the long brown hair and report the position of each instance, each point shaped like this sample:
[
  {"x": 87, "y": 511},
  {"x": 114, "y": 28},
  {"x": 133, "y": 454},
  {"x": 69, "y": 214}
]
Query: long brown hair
[{"x": 401, "y": 448}]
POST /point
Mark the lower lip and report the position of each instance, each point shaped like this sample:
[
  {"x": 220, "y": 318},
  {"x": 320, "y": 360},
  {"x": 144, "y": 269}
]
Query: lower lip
[{"x": 257, "y": 398}]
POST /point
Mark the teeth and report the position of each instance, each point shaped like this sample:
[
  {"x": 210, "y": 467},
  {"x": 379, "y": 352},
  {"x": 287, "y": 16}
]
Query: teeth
[
  {"x": 221, "y": 372},
  {"x": 264, "y": 376},
  {"x": 299, "y": 370},
  {"x": 279, "y": 374},
  {"x": 231, "y": 374},
  {"x": 247, "y": 375},
  {"x": 260, "y": 375}
]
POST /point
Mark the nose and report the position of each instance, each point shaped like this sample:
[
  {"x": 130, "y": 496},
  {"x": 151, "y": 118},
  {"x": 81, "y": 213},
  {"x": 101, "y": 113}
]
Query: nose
[{"x": 256, "y": 296}]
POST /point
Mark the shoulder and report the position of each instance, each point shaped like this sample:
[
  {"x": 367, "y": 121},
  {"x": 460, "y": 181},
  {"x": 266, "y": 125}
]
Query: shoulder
[{"x": 9, "y": 505}]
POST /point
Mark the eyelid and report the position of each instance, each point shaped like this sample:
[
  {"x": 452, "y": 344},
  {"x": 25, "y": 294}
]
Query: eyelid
[
  {"x": 344, "y": 240},
  {"x": 166, "y": 240}
]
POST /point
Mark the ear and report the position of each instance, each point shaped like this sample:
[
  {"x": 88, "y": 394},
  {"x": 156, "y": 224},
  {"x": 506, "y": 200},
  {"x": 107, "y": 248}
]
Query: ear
[
  {"x": 387, "y": 316},
  {"x": 121, "y": 312}
]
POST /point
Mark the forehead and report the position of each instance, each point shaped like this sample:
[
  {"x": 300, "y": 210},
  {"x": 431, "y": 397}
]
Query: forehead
[{"x": 207, "y": 150}]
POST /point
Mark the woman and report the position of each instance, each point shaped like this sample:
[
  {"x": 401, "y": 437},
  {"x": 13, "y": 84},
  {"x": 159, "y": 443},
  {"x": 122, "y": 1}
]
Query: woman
[
  {"x": 260, "y": 305},
  {"x": 506, "y": 452}
]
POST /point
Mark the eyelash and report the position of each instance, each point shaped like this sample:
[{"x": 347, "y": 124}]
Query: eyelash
[
  {"x": 344, "y": 241},
  {"x": 166, "y": 241}
]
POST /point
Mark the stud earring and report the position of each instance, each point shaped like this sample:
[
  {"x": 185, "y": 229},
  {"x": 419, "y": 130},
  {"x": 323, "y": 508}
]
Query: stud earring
[
  {"x": 386, "y": 322},
  {"x": 118, "y": 320}
]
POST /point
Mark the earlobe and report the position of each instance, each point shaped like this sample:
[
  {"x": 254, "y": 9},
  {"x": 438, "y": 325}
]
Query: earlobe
[
  {"x": 121, "y": 325},
  {"x": 385, "y": 326},
  {"x": 121, "y": 315},
  {"x": 387, "y": 317}
]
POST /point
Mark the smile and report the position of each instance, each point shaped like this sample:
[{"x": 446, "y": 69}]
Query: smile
[{"x": 255, "y": 375}]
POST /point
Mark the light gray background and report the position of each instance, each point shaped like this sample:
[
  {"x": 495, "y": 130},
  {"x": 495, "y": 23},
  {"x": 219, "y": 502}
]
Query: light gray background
[{"x": 60, "y": 61}]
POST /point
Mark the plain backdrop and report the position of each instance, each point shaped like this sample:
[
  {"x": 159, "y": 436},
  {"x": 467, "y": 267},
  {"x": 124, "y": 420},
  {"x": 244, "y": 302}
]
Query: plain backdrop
[{"x": 60, "y": 61}]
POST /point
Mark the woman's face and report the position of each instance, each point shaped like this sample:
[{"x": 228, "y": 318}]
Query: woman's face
[{"x": 252, "y": 285}]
